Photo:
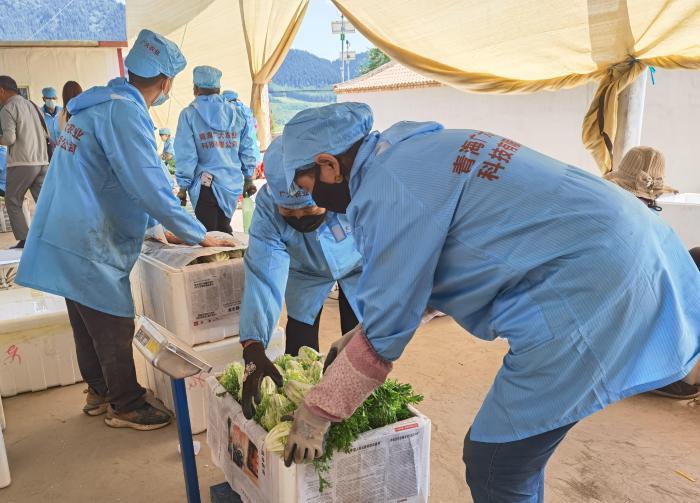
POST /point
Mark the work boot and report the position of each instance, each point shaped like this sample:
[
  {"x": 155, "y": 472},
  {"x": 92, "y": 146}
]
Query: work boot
[
  {"x": 20, "y": 244},
  {"x": 145, "y": 418},
  {"x": 679, "y": 389},
  {"x": 95, "y": 405}
]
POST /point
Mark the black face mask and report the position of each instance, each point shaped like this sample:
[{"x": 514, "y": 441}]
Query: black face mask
[
  {"x": 332, "y": 196},
  {"x": 308, "y": 223}
]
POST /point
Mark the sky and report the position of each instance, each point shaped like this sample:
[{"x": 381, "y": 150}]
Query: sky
[{"x": 315, "y": 34}]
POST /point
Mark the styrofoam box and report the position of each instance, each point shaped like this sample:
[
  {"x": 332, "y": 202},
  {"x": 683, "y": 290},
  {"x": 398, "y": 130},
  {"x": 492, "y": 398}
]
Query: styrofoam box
[
  {"x": 198, "y": 303},
  {"x": 386, "y": 465},
  {"x": 682, "y": 213},
  {"x": 219, "y": 355},
  {"x": 36, "y": 342}
]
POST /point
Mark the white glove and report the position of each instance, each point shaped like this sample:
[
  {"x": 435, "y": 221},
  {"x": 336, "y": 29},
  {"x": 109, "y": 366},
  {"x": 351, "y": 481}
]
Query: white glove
[{"x": 306, "y": 438}]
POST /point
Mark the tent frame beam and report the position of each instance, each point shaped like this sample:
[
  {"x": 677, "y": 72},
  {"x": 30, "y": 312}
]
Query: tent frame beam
[{"x": 630, "y": 116}]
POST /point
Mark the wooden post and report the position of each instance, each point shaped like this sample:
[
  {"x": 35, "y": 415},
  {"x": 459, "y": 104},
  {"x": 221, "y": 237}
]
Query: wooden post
[{"x": 630, "y": 115}]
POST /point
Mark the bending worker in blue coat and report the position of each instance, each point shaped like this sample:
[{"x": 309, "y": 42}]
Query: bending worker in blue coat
[
  {"x": 296, "y": 252},
  {"x": 597, "y": 297},
  {"x": 216, "y": 156},
  {"x": 104, "y": 187}
]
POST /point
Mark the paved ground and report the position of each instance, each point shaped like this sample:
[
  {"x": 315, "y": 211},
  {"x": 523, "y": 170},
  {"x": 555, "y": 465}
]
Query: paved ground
[{"x": 628, "y": 453}]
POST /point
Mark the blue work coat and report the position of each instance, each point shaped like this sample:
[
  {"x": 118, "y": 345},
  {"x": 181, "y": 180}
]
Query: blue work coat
[
  {"x": 104, "y": 182},
  {"x": 52, "y": 122},
  {"x": 212, "y": 137},
  {"x": 251, "y": 126},
  {"x": 307, "y": 263},
  {"x": 597, "y": 297}
]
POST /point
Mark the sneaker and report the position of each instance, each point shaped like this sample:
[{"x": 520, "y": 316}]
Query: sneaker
[
  {"x": 679, "y": 389},
  {"x": 95, "y": 405},
  {"x": 145, "y": 418},
  {"x": 19, "y": 245}
]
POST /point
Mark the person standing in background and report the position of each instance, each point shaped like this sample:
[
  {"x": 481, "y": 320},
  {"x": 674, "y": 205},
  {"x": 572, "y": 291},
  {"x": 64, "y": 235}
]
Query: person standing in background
[
  {"x": 71, "y": 89},
  {"x": 25, "y": 135},
  {"x": 166, "y": 137},
  {"x": 215, "y": 153},
  {"x": 51, "y": 110},
  {"x": 252, "y": 125},
  {"x": 104, "y": 189},
  {"x": 3, "y": 168},
  {"x": 168, "y": 154}
]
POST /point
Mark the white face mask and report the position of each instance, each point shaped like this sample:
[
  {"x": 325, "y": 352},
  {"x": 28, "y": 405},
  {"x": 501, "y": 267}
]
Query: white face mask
[{"x": 51, "y": 103}]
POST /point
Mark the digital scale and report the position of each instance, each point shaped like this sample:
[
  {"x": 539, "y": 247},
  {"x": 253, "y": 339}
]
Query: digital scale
[{"x": 162, "y": 350}]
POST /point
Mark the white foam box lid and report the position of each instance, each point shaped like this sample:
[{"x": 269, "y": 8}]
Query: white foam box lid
[
  {"x": 682, "y": 213},
  {"x": 386, "y": 465},
  {"x": 198, "y": 303},
  {"x": 36, "y": 342},
  {"x": 219, "y": 355}
]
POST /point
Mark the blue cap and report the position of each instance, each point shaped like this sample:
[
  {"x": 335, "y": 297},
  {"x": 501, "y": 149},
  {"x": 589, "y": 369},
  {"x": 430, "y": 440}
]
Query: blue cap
[
  {"x": 153, "y": 54},
  {"x": 332, "y": 129},
  {"x": 207, "y": 77},
  {"x": 230, "y": 95},
  {"x": 277, "y": 183},
  {"x": 164, "y": 130},
  {"x": 49, "y": 92}
]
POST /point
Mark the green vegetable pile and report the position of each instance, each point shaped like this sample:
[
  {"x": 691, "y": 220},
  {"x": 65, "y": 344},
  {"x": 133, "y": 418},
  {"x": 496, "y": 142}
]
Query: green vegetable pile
[{"x": 387, "y": 405}]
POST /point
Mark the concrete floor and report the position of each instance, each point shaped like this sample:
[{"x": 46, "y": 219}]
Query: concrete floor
[{"x": 627, "y": 453}]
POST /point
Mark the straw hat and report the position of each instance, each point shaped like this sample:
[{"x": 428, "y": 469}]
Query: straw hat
[{"x": 641, "y": 172}]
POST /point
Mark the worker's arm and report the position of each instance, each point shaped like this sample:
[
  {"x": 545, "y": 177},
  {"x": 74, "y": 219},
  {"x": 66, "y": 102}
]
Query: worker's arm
[
  {"x": 248, "y": 152},
  {"x": 266, "y": 271},
  {"x": 401, "y": 242},
  {"x": 185, "y": 151},
  {"x": 133, "y": 156},
  {"x": 8, "y": 126}
]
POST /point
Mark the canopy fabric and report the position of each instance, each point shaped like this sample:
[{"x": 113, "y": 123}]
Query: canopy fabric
[
  {"x": 269, "y": 27},
  {"x": 208, "y": 32},
  {"x": 246, "y": 39},
  {"x": 512, "y": 46}
]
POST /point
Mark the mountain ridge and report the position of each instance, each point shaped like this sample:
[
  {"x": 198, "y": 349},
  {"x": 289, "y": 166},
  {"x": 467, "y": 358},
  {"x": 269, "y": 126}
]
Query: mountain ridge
[{"x": 304, "y": 70}]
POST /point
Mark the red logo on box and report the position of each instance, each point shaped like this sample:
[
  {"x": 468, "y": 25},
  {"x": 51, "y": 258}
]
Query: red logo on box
[{"x": 406, "y": 427}]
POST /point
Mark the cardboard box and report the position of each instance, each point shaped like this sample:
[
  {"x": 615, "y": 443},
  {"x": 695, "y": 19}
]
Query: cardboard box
[
  {"x": 217, "y": 354},
  {"x": 387, "y": 465}
]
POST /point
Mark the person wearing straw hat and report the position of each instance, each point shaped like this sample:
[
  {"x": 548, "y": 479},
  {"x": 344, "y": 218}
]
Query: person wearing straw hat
[{"x": 641, "y": 172}]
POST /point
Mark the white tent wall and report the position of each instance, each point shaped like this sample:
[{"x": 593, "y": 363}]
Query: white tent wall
[
  {"x": 551, "y": 121},
  {"x": 39, "y": 67}
]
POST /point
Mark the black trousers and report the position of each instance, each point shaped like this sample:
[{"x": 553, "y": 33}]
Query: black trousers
[
  {"x": 210, "y": 214},
  {"x": 301, "y": 334},
  {"x": 105, "y": 355}
]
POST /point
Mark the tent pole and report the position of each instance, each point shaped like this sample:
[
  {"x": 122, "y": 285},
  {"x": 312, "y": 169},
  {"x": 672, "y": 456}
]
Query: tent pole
[{"x": 630, "y": 115}]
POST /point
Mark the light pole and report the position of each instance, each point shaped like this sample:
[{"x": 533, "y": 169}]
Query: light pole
[{"x": 341, "y": 28}]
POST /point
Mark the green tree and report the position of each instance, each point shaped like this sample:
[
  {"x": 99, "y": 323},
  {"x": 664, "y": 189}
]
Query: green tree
[{"x": 376, "y": 59}]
